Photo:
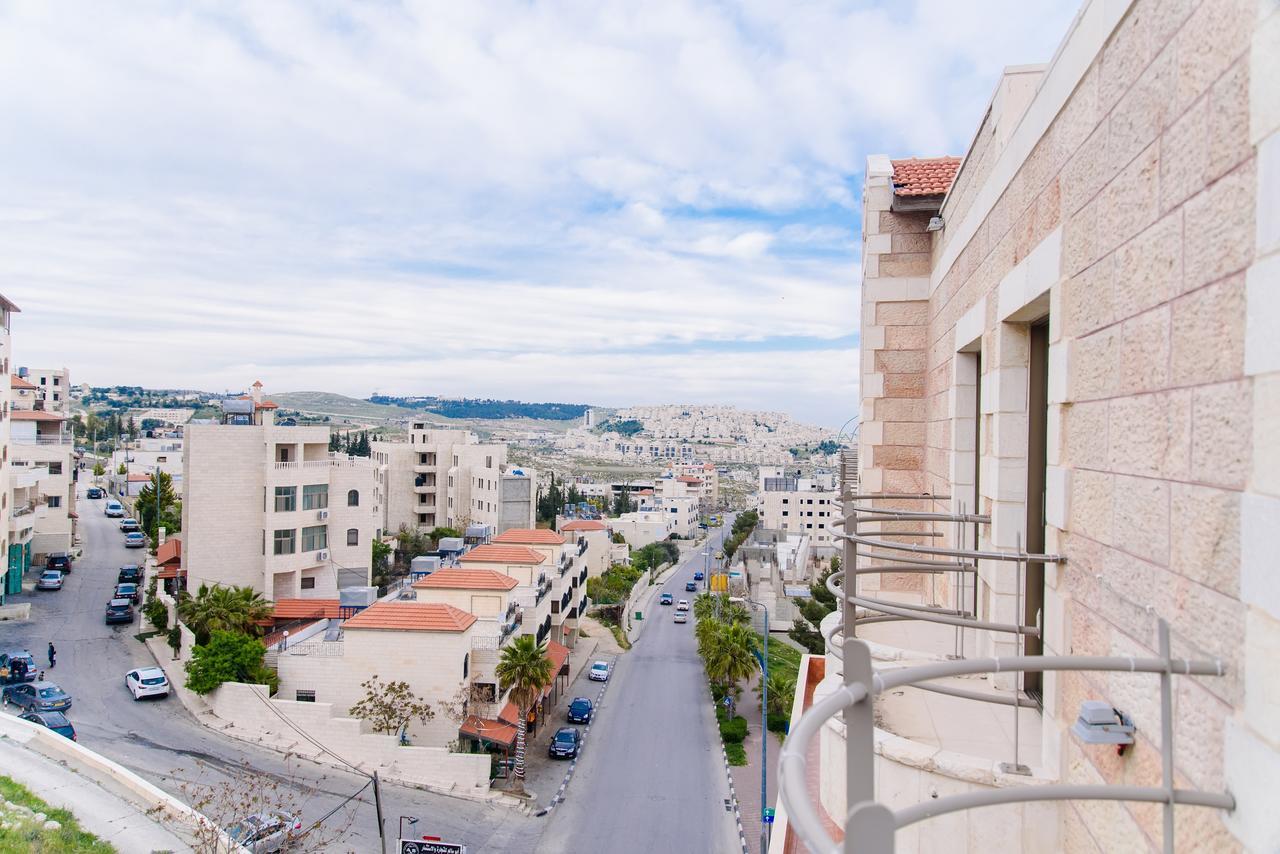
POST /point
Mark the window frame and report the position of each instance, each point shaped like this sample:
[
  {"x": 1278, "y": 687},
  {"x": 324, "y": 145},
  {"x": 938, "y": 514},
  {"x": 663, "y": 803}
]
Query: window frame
[{"x": 315, "y": 496}]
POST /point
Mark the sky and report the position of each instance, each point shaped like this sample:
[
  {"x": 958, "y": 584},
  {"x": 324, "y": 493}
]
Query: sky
[{"x": 599, "y": 202}]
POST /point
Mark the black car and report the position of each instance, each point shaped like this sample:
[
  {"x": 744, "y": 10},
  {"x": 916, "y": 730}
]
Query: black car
[
  {"x": 580, "y": 711},
  {"x": 564, "y": 744},
  {"x": 691, "y": 586},
  {"x": 129, "y": 574},
  {"x": 55, "y": 721},
  {"x": 93, "y": 492},
  {"x": 119, "y": 611},
  {"x": 60, "y": 561},
  {"x": 130, "y": 591}
]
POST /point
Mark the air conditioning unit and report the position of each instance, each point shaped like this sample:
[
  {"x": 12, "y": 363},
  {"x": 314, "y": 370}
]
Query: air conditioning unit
[
  {"x": 322, "y": 515},
  {"x": 322, "y": 555}
]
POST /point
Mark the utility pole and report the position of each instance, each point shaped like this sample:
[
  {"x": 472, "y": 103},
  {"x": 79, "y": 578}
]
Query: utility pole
[{"x": 377, "y": 805}]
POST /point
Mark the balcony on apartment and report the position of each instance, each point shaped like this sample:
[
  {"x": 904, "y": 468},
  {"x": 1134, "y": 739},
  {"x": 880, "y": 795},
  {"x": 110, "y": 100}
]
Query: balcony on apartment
[
  {"x": 425, "y": 484},
  {"x": 426, "y": 463},
  {"x": 24, "y": 474}
]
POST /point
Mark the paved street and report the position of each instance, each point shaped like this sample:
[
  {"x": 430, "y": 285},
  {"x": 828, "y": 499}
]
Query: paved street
[
  {"x": 651, "y": 777},
  {"x": 160, "y": 741}
]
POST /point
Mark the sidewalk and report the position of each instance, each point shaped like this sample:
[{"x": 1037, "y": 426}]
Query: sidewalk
[
  {"x": 111, "y": 818},
  {"x": 746, "y": 778}
]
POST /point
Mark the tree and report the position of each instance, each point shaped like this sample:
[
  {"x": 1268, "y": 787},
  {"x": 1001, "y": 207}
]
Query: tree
[
  {"x": 729, "y": 654},
  {"x": 170, "y": 509},
  {"x": 98, "y": 470},
  {"x": 390, "y": 707},
  {"x": 218, "y": 608},
  {"x": 782, "y": 689},
  {"x": 133, "y": 429},
  {"x": 380, "y": 560},
  {"x": 524, "y": 667},
  {"x": 228, "y": 657},
  {"x": 123, "y": 469}
]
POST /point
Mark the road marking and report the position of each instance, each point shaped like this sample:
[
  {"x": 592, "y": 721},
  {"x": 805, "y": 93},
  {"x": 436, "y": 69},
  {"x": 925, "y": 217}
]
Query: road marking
[{"x": 559, "y": 795}]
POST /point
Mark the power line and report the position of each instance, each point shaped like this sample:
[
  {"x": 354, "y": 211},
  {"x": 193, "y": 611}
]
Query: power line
[{"x": 308, "y": 738}]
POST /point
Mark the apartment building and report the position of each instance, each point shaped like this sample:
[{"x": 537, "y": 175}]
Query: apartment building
[
  {"x": 43, "y": 478},
  {"x": 533, "y": 569},
  {"x": 448, "y": 478},
  {"x": 1070, "y": 374},
  {"x": 16, "y": 556},
  {"x": 567, "y": 570},
  {"x": 269, "y": 507},
  {"x": 800, "y": 505},
  {"x": 702, "y": 480},
  {"x": 52, "y": 388}
]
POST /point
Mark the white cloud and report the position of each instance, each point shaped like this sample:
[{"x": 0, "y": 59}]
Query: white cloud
[{"x": 340, "y": 196}]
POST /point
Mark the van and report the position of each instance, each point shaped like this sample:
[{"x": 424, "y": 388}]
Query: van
[{"x": 114, "y": 509}]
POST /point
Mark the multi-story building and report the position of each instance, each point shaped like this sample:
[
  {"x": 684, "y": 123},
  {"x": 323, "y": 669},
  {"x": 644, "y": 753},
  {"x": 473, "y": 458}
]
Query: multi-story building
[
  {"x": 43, "y": 476},
  {"x": 533, "y": 571},
  {"x": 53, "y": 388},
  {"x": 15, "y": 555},
  {"x": 702, "y": 479},
  {"x": 567, "y": 568},
  {"x": 1070, "y": 374},
  {"x": 269, "y": 507},
  {"x": 798, "y": 505},
  {"x": 448, "y": 478}
]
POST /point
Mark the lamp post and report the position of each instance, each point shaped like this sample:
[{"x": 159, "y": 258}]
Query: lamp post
[
  {"x": 764, "y": 714},
  {"x": 409, "y": 818}
]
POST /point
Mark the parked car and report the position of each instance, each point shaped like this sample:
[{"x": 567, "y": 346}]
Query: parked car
[
  {"x": 691, "y": 587},
  {"x": 50, "y": 579},
  {"x": 599, "y": 671},
  {"x": 131, "y": 573},
  {"x": 146, "y": 682},
  {"x": 697, "y": 575},
  {"x": 265, "y": 832},
  {"x": 682, "y": 605},
  {"x": 682, "y": 616},
  {"x": 119, "y": 611},
  {"x": 135, "y": 540},
  {"x": 55, "y": 721},
  {"x": 665, "y": 599},
  {"x": 38, "y": 697},
  {"x": 564, "y": 744},
  {"x": 580, "y": 711},
  {"x": 130, "y": 524},
  {"x": 60, "y": 561},
  {"x": 128, "y": 591},
  {"x": 19, "y": 660},
  {"x": 114, "y": 509},
  {"x": 93, "y": 492}
]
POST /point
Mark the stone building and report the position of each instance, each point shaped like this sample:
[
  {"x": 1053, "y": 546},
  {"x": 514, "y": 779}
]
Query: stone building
[{"x": 1070, "y": 350}]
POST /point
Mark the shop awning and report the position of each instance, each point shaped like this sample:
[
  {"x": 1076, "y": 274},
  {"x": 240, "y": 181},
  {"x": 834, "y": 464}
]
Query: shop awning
[
  {"x": 170, "y": 572},
  {"x": 484, "y": 729}
]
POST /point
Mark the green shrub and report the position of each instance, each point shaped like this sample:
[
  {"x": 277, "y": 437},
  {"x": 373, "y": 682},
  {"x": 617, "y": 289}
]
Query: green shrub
[
  {"x": 734, "y": 731},
  {"x": 228, "y": 657},
  {"x": 157, "y": 614},
  {"x": 736, "y": 753},
  {"x": 779, "y": 723}
]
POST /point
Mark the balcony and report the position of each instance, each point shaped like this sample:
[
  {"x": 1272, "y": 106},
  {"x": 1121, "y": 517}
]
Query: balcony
[
  {"x": 566, "y": 561},
  {"x": 582, "y": 546},
  {"x": 544, "y": 587},
  {"x": 42, "y": 439},
  {"x": 328, "y": 463}
]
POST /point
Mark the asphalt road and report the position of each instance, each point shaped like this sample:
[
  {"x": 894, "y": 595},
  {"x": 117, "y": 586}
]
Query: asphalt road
[
  {"x": 651, "y": 777},
  {"x": 160, "y": 741}
]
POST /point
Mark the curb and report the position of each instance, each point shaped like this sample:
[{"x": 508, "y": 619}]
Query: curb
[
  {"x": 558, "y": 797},
  {"x": 732, "y": 800}
]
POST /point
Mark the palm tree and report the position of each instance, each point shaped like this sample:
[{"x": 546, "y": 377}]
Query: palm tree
[
  {"x": 704, "y": 606},
  {"x": 218, "y": 608},
  {"x": 729, "y": 656},
  {"x": 782, "y": 689},
  {"x": 525, "y": 667}
]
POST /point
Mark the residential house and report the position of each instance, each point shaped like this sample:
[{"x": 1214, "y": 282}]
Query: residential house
[
  {"x": 798, "y": 505},
  {"x": 568, "y": 573},
  {"x": 52, "y": 388},
  {"x": 533, "y": 569}
]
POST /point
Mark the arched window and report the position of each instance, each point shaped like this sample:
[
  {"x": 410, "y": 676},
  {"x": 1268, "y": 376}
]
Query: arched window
[
  {"x": 353, "y": 536},
  {"x": 353, "y": 498}
]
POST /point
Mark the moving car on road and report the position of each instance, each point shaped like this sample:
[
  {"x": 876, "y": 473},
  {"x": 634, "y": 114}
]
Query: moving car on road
[
  {"x": 130, "y": 524},
  {"x": 682, "y": 605},
  {"x": 119, "y": 611},
  {"x": 38, "y": 697},
  {"x": 93, "y": 492},
  {"x": 697, "y": 575},
  {"x": 580, "y": 711},
  {"x": 682, "y": 616},
  {"x": 599, "y": 671},
  {"x": 113, "y": 509},
  {"x": 55, "y": 721},
  {"x": 14, "y": 661},
  {"x": 146, "y": 682},
  {"x": 665, "y": 599},
  {"x": 691, "y": 587},
  {"x": 50, "y": 579},
  {"x": 135, "y": 540},
  {"x": 128, "y": 591},
  {"x": 266, "y": 832},
  {"x": 564, "y": 744},
  {"x": 60, "y": 561},
  {"x": 131, "y": 573}
]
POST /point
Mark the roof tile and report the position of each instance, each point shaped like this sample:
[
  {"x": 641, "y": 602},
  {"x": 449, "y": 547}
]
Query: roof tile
[
  {"x": 466, "y": 579},
  {"x": 412, "y": 616},
  {"x": 584, "y": 525},
  {"x": 492, "y": 553},
  {"x": 924, "y": 176},
  {"x": 530, "y": 536}
]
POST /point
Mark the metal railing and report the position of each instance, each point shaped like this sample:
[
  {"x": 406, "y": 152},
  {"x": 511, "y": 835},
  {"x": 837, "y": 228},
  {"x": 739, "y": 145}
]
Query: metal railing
[{"x": 870, "y": 826}]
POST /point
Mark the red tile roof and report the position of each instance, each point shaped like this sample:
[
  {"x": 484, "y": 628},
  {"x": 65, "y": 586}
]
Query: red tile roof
[
  {"x": 299, "y": 609},
  {"x": 16, "y": 381},
  {"x": 584, "y": 525},
  {"x": 35, "y": 415},
  {"x": 530, "y": 536},
  {"x": 170, "y": 571},
  {"x": 496, "y": 732},
  {"x": 267, "y": 404},
  {"x": 412, "y": 616},
  {"x": 490, "y": 553},
  {"x": 466, "y": 579},
  {"x": 138, "y": 477},
  {"x": 170, "y": 551},
  {"x": 924, "y": 176},
  {"x": 559, "y": 654},
  {"x": 692, "y": 480}
]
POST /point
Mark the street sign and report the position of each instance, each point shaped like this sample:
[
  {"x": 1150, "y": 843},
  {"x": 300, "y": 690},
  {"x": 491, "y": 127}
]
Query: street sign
[
  {"x": 728, "y": 701},
  {"x": 768, "y": 815},
  {"x": 418, "y": 846}
]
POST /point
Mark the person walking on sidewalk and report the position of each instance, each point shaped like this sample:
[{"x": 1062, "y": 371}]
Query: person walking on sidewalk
[{"x": 53, "y": 655}]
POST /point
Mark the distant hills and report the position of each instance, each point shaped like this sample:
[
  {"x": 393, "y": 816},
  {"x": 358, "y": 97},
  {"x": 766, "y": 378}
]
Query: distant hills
[{"x": 484, "y": 408}]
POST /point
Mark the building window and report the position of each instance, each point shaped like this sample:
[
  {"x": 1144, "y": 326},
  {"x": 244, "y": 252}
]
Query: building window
[
  {"x": 286, "y": 498},
  {"x": 285, "y": 542},
  {"x": 315, "y": 538},
  {"x": 466, "y": 664},
  {"x": 353, "y": 498},
  {"x": 353, "y": 536},
  {"x": 305, "y": 696},
  {"x": 55, "y": 500},
  {"x": 315, "y": 496},
  {"x": 55, "y": 468},
  {"x": 309, "y": 583},
  {"x": 488, "y": 462}
]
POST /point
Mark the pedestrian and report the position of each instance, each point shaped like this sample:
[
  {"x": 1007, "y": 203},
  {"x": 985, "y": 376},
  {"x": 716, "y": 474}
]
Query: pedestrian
[{"x": 53, "y": 655}]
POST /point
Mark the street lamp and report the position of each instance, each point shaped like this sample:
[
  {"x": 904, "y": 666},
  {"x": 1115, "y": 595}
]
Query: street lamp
[
  {"x": 409, "y": 818},
  {"x": 764, "y": 714}
]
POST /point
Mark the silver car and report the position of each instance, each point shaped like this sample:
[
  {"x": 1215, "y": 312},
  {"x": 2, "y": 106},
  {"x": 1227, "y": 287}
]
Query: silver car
[
  {"x": 50, "y": 579},
  {"x": 266, "y": 831}
]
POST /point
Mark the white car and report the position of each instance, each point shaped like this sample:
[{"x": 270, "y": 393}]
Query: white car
[
  {"x": 147, "y": 682},
  {"x": 599, "y": 671},
  {"x": 682, "y": 605},
  {"x": 682, "y": 616}
]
